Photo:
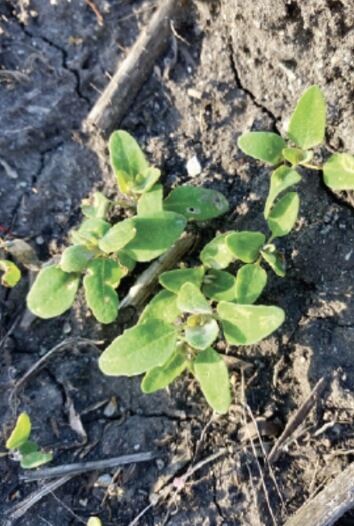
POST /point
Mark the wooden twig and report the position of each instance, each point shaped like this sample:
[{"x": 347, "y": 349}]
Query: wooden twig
[
  {"x": 147, "y": 281},
  {"x": 84, "y": 467},
  {"x": 22, "y": 507},
  {"x": 297, "y": 419},
  {"x": 60, "y": 347},
  {"x": 329, "y": 505},
  {"x": 125, "y": 84}
]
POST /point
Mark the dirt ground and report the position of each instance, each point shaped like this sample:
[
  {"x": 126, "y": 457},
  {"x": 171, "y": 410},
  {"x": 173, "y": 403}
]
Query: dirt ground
[{"x": 57, "y": 56}]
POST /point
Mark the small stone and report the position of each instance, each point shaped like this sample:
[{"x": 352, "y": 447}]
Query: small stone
[
  {"x": 193, "y": 166},
  {"x": 67, "y": 328},
  {"x": 111, "y": 408},
  {"x": 39, "y": 240}
]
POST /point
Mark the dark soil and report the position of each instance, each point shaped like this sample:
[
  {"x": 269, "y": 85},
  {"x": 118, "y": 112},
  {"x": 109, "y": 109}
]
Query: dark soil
[{"x": 56, "y": 57}]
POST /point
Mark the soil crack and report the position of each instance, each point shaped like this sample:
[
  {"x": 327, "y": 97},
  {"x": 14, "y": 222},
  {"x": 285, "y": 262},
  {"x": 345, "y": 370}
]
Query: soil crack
[{"x": 246, "y": 90}]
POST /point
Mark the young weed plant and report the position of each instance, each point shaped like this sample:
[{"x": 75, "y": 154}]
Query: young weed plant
[
  {"x": 178, "y": 329},
  {"x": 104, "y": 253},
  {"x": 24, "y": 450}
]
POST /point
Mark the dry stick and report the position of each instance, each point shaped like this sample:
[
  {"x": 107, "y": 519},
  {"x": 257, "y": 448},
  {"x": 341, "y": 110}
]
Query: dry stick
[
  {"x": 84, "y": 467},
  {"x": 61, "y": 346},
  {"x": 21, "y": 508},
  {"x": 122, "y": 89},
  {"x": 146, "y": 282},
  {"x": 297, "y": 419},
  {"x": 329, "y": 505}
]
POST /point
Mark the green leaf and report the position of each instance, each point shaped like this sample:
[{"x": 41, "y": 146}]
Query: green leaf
[
  {"x": 90, "y": 232},
  {"x": 196, "y": 203},
  {"x": 94, "y": 521},
  {"x": 163, "y": 306},
  {"x": 160, "y": 377},
  {"x": 35, "y": 459},
  {"x": 248, "y": 324},
  {"x": 308, "y": 122},
  {"x": 118, "y": 236},
  {"x": 76, "y": 258},
  {"x": 284, "y": 214},
  {"x": 96, "y": 207},
  {"x": 127, "y": 159},
  {"x": 245, "y": 245},
  {"x": 219, "y": 285},
  {"x": 338, "y": 172},
  {"x": 296, "y": 156},
  {"x": 151, "y": 201},
  {"x": 250, "y": 282},
  {"x": 12, "y": 273},
  {"x": 139, "y": 349},
  {"x": 102, "y": 278},
  {"x": 280, "y": 180},
  {"x": 28, "y": 447},
  {"x": 20, "y": 433},
  {"x": 274, "y": 260},
  {"x": 53, "y": 292},
  {"x": 146, "y": 180},
  {"x": 127, "y": 263},
  {"x": 211, "y": 372},
  {"x": 216, "y": 254},
  {"x": 190, "y": 299},
  {"x": 203, "y": 334},
  {"x": 155, "y": 234},
  {"x": 265, "y": 146},
  {"x": 173, "y": 280}
]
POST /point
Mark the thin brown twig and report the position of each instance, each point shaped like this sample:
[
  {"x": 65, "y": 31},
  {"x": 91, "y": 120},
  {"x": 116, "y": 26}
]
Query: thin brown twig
[
  {"x": 83, "y": 467},
  {"x": 97, "y": 12},
  {"x": 297, "y": 419},
  {"x": 59, "y": 347}
]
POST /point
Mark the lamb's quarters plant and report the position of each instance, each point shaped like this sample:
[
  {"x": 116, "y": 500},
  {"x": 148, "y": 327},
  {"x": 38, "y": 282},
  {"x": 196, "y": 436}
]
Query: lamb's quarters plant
[
  {"x": 306, "y": 131},
  {"x": 104, "y": 253},
  {"x": 22, "y": 448},
  {"x": 178, "y": 329}
]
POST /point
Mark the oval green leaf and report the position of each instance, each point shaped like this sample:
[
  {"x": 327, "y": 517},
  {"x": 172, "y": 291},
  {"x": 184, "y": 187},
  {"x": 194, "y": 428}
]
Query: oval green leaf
[
  {"x": 102, "y": 278},
  {"x": 203, "y": 334},
  {"x": 126, "y": 155},
  {"x": 196, "y": 203},
  {"x": 118, "y": 236},
  {"x": 139, "y": 349},
  {"x": 191, "y": 300},
  {"x": 76, "y": 258},
  {"x": 308, "y": 122},
  {"x": 280, "y": 180},
  {"x": 163, "y": 306},
  {"x": 155, "y": 234},
  {"x": 265, "y": 146},
  {"x": 173, "y": 280},
  {"x": 20, "y": 433},
  {"x": 160, "y": 377},
  {"x": 245, "y": 245},
  {"x": 90, "y": 232},
  {"x": 284, "y": 214},
  {"x": 216, "y": 254},
  {"x": 219, "y": 285},
  {"x": 211, "y": 372},
  {"x": 338, "y": 172},
  {"x": 28, "y": 447},
  {"x": 248, "y": 324},
  {"x": 275, "y": 260},
  {"x": 94, "y": 521},
  {"x": 146, "y": 180},
  {"x": 151, "y": 201},
  {"x": 53, "y": 292},
  {"x": 96, "y": 207},
  {"x": 12, "y": 273},
  {"x": 250, "y": 282},
  {"x": 35, "y": 459}
]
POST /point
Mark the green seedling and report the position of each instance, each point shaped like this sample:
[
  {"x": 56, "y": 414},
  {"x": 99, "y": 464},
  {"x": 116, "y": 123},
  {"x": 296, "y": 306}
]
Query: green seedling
[
  {"x": 178, "y": 329},
  {"x": 306, "y": 131},
  {"x": 24, "y": 450},
  {"x": 11, "y": 273},
  {"x": 104, "y": 253}
]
